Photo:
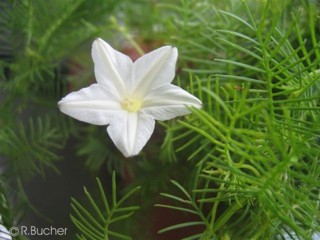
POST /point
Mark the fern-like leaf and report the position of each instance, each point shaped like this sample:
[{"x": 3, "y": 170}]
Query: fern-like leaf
[
  {"x": 95, "y": 221},
  {"x": 259, "y": 125},
  {"x": 35, "y": 147}
]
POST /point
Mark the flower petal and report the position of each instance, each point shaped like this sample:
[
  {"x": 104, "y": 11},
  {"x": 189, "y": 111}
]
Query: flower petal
[
  {"x": 112, "y": 68},
  {"x": 4, "y": 233},
  {"x": 131, "y": 132},
  {"x": 169, "y": 101},
  {"x": 154, "y": 69},
  {"x": 94, "y": 104}
]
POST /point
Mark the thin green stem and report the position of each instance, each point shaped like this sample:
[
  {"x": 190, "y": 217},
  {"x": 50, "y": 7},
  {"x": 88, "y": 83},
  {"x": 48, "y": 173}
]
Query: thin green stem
[
  {"x": 312, "y": 30},
  {"x": 123, "y": 30}
]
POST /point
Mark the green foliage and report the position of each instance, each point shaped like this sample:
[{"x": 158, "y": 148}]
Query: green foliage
[
  {"x": 255, "y": 143},
  {"x": 190, "y": 205},
  {"x": 37, "y": 40},
  {"x": 5, "y": 216},
  {"x": 35, "y": 50},
  {"x": 37, "y": 45},
  {"x": 259, "y": 128},
  {"x": 97, "y": 222},
  {"x": 35, "y": 145},
  {"x": 97, "y": 150},
  {"x": 245, "y": 166}
]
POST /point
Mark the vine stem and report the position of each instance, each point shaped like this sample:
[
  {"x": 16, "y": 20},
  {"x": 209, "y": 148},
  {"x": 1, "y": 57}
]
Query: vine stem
[{"x": 123, "y": 30}]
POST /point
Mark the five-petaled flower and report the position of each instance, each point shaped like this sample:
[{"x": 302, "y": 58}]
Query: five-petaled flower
[{"x": 130, "y": 96}]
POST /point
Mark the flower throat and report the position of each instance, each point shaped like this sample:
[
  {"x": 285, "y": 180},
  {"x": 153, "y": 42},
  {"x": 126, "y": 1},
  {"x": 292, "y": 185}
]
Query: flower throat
[{"x": 131, "y": 105}]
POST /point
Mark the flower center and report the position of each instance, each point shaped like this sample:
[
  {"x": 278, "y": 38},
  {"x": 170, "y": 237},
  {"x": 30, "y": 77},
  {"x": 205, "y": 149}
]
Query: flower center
[{"x": 131, "y": 105}]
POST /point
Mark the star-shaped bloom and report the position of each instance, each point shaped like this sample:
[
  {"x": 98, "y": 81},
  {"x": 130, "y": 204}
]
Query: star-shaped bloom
[{"x": 130, "y": 96}]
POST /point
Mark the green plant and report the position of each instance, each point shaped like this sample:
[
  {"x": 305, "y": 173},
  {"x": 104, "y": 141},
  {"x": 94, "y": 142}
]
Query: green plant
[
  {"x": 245, "y": 166},
  {"x": 259, "y": 130},
  {"x": 96, "y": 223}
]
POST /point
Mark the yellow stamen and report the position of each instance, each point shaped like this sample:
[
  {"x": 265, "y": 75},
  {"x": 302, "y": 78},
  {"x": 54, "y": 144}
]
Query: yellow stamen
[{"x": 131, "y": 105}]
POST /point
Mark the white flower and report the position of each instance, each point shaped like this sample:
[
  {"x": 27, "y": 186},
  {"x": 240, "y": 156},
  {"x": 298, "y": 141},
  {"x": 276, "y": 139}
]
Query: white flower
[
  {"x": 4, "y": 233},
  {"x": 130, "y": 96}
]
